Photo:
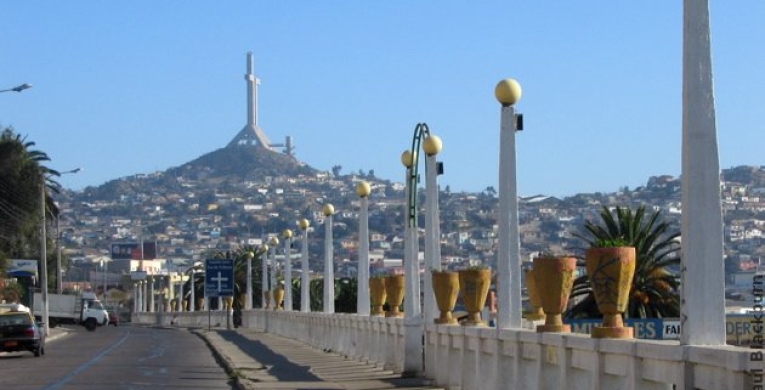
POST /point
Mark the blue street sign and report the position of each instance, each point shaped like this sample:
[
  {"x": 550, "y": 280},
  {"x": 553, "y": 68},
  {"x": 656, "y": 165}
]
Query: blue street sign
[{"x": 219, "y": 278}]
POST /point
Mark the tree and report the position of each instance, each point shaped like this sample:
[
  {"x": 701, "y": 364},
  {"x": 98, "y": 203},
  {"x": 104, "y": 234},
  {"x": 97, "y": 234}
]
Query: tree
[
  {"x": 21, "y": 176},
  {"x": 654, "y": 292}
]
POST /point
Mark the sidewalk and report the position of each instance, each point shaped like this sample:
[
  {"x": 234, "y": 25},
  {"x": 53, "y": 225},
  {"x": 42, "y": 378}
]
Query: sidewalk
[{"x": 260, "y": 360}]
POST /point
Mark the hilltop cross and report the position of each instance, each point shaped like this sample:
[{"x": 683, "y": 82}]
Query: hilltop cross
[{"x": 252, "y": 134}]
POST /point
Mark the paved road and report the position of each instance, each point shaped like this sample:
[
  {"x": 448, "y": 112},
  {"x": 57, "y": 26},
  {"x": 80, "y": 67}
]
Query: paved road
[
  {"x": 135, "y": 357},
  {"x": 117, "y": 358}
]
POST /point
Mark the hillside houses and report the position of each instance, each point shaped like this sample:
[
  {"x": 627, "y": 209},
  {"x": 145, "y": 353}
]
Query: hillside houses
[{"x": 189, "y": 216}]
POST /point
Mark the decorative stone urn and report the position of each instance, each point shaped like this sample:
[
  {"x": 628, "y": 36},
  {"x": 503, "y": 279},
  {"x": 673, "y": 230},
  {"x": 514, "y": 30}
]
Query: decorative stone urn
[
  {"x": 394, "y": 290},
  {"x": 446, "y": 286},
  {"x": 554, "y": 278},
  {"x": 228, "y": 303},
  {"x": 266, "y": 300},
  {"x": 611, "y": 270},
  {"x": 377, "y": 295},
  {"x": 536, "y": 304},
  {"x": 474, "y": 284},
  {"x": 278, "y": 297}
]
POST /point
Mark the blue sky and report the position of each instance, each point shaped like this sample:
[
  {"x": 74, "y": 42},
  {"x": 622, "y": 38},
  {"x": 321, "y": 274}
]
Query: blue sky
[{"x": 135, "y": 87}]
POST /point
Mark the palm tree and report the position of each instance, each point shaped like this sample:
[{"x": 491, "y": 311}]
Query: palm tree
[
  {"x": 22, "y": 174},
  {"x": 654, "y": 292}
]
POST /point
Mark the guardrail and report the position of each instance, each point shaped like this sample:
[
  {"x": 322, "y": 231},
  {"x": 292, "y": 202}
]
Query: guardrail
[{"x": 476, "y": 358}]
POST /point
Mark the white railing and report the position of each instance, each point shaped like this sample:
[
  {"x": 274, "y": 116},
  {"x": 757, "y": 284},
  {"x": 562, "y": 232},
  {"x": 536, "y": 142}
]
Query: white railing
[{"x": 466, "y": 358}]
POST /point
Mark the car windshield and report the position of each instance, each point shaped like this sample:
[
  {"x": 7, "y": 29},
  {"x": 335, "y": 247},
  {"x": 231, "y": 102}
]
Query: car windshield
[
  {"x": 15, "y": 319},
  {"x": 95, "y": 305}
]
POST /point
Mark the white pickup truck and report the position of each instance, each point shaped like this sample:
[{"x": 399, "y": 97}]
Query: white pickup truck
[{"x": 84, "y": 309}]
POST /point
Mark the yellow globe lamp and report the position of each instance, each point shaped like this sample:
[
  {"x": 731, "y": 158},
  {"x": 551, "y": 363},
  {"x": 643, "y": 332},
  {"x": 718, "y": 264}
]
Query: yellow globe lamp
[
  {"x": 304, "y": 224},
  {"x": 363, "y": 189},
  {"x": 287, "y": 234},
  {"x": 432, "y": 145},
  {"x": 508, "y": 92},
  {"x": 328, "y": 209},
  {"x": 407, "y": 158},
  {"x": 274, "y": 241}
]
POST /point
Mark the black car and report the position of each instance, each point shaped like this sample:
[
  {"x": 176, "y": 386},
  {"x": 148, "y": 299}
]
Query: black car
[{"x": 19, "y": 331}]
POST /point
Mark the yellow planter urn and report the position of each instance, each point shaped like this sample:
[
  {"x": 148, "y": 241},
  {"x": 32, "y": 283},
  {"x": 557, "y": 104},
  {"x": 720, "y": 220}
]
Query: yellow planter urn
[
  {"x": 554, "y": 278},
  {"x": 611, "y": 270},
  {"x": 446, "y": 286},
  {"x": 278, "y": 298},
  {"x": 377, "y": 295},
  {"x": 536, "y": 303},
  {"x": 266, "y": 299},
  {"x": 474, "y": 285},
  {"x": 394, "y": 291}
]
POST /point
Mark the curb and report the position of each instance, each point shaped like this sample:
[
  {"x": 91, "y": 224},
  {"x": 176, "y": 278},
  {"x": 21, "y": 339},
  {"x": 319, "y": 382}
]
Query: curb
[{"x": 222, "y": 359}]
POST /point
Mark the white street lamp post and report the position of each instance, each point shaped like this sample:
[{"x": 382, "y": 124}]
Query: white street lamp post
[
  {"x": 362, "y": 297},
  {"x": 192, "y": 293},
  {"x": 151, "y": 295},
  {"x": 145, "y": 295},
  {"x": 59, "y": 271},
  {"x": 412, "y": 310},
  {"x": 329, "y": 266},
  {"x": 287, "y": 234},
  {"x": 43, "y": 259},
  {"x": 274, "y": 283},
  {"x": 305, "y": 291},
  {"x": 104, "y": 269},
  {"x": 180, "y": 299},
  {"x": 432, "y": 146},
  {"x": 264, "y": 275},
  {"x": 248, "y": 304},
  {"x": 509, "y": 314}
]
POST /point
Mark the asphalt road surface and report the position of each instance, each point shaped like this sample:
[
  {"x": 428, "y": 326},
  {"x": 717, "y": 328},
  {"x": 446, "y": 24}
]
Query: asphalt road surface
[{"x": 122, "y": 357}]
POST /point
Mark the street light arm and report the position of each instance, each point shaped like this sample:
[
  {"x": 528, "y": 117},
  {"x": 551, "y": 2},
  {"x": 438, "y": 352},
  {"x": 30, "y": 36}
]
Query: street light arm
[{"x": 17, "y": 89}]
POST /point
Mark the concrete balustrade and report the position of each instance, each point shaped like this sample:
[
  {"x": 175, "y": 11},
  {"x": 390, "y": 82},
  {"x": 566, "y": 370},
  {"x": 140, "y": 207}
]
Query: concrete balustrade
[{"x": 476, "y": 358}]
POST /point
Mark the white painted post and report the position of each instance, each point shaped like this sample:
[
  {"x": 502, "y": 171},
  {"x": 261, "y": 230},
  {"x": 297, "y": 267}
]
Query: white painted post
[
  {"x": 264, "y": 276},
  {"x": 180, "y": 300},
  {"x": 362, "y": 297},
  {"x": 287, "y": 269},
  {"x": 192, "y": 298},
  {"x": 274, "y": 282},
  {"x": 432, "y": 147},
  {"x": 412, "y": 311},
  {"x": 151, "y": 295},
  {"x": 509, "y": 314},
  {"x": 305, "y": 270},
  {"x": 248, "y": 300},
  {"x": 329, "y": 263},
  {"x": 135, "y": 297},
  {"x": 702, "y": 294}
]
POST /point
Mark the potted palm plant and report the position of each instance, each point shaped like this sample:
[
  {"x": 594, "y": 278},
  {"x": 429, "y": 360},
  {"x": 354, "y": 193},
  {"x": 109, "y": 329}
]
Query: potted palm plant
[
  {"x": 474, "y": 286},
  {"x": 446, "y": 286},
  {"x": 654, "y": 292},
  {"x": 554, "y": 277}
]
